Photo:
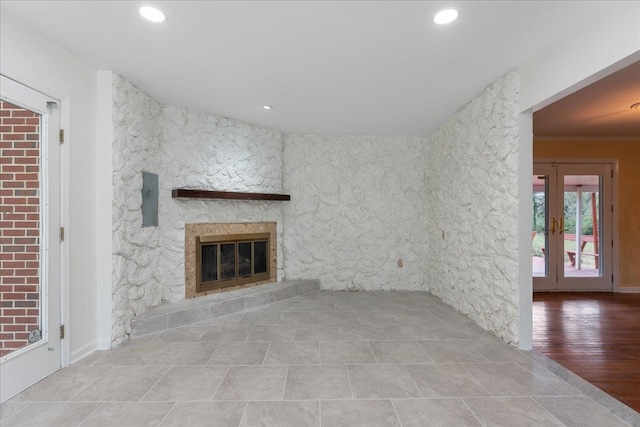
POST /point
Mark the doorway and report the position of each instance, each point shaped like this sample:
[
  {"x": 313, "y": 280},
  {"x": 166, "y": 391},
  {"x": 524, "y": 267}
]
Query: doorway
[
  {"x": 30, "y": 304},
  {"x": 572, "y": 230}
]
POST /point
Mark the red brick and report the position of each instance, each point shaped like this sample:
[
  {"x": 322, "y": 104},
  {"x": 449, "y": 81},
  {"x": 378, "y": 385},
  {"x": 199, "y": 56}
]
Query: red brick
[
  {"x": 27, "y": 272},
  {"x": 26, "y": 257},
  {"x": 26, "y": 208},
  {"x": 13, "y": 168},
  {"x": 6, "y": 105},
  {"x": 14, "y": 312},
  {"x": 14, "y": 280},
  {"x": 26, "y": 144},
  {"x": 13, "y": 296},
  {"x": 16, "y": 121},
  {"x": 14, "y": 344},
  {"x": 25, "y": 288},
  {"x": 26, "y": 224},
  {"x": 33, "y": 121},
  {"x": 15, "y": 328},
  {"x": 25, "y": 161},
  {"x": 13, "y": 184},
  {"x": 13, "y": 264},
  {"x": 26, "y": 303},
  {"x": 26, "y": 177},
  {"x": 26, "y": 319},
  {"x": 13, "y": 136},
  {"x": 30, "y": 128},
  {"x": 13, "y": 153},
  {"x": 14, "y": 201},
  {"x": 23, "y": 113},
  {"x": 25, "y": 241}
]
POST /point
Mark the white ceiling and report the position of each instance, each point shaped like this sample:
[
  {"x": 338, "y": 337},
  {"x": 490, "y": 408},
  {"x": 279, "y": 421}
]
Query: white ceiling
[{"x": 376, "y": 67}]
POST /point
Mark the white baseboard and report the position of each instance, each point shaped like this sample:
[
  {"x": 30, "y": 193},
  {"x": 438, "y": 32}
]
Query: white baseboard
[
  {"x": 629, "y": 290},
  {"x": 83, "y": 352},
  {"x": 104, "y": 344}
]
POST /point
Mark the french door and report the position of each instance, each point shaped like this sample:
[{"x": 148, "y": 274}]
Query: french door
[
  {"x": 572, "y": 232},
  {"x": 30, "y": 304}
]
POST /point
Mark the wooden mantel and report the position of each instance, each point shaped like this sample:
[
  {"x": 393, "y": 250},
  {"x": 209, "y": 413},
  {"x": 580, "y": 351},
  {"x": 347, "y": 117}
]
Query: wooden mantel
[{"x": 189, "y": 193}]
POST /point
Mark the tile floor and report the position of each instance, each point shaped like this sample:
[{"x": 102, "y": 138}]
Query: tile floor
[{"x": 322, "y": 359}]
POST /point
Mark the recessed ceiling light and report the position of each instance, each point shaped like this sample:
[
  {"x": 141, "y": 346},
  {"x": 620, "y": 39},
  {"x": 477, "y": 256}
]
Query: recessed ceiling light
[
  {"x": 152, "y": 14},
  {"x": 268, "y": 107},
  {"x": 445, "y": 16}
]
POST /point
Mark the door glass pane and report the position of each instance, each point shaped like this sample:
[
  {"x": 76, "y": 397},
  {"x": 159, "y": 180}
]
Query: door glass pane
[
  {"x": 582, "y": 226},
  {"x": 538, "y": 235},
  {"x": 20, "y": 284}
]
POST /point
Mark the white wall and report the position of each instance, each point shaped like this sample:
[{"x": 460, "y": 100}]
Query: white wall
[
  {"x": 588, "y": 52},
  {"x": 472, "y": 210},
  {"x": 187, "y": 149},
  {"x": 358, "y": 205},
  {"x": 104, "y": 168},
  {"x": 35, "y": 61}
]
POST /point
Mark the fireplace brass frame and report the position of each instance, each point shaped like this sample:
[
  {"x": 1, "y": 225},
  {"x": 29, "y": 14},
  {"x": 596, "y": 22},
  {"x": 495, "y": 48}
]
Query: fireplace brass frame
[{"x": 231, "y": 238}]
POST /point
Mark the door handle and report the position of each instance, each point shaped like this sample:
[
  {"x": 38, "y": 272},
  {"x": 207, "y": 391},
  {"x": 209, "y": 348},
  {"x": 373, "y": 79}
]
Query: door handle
[
  {"x": 553, "y": 226},
  {"x": 561, "y": 227}
]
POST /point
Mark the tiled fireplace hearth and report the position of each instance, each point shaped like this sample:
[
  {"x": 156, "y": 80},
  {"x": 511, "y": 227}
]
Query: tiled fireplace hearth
[{"x": 225, "y": 256}]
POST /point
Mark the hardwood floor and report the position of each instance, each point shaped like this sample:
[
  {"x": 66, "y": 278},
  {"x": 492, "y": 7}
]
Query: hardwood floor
[{"x": 595, "y": 335}]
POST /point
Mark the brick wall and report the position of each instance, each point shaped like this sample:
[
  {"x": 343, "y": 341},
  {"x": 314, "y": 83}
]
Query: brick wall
[{"x": 19, "y": 225}]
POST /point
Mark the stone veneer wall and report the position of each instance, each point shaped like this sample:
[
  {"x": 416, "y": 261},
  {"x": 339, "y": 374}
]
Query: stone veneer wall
[
  {"x": 136, "y": 250},
  {"x": 186, "y": 148},
  {"x": 472, "y": 184},
  {"x": 358, "y": 205}
]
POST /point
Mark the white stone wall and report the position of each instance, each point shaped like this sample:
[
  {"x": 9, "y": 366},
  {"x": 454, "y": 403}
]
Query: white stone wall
[
  {"x": 358, "y": 205},
  {"x": 201, "y": 150},
  {"x": 186, "y": 148},
  {"x": 472, "y": 183},
  {"x": 136, "y": 250}
]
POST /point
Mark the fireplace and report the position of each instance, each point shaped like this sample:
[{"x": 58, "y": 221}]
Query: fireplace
[
  {"x": 231, "y": 260},
  {"x": 225, "y": 256}
]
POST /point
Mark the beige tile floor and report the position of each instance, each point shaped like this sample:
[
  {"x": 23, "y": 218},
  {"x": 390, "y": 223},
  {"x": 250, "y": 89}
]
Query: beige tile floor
[{"x": 323, "y": 359}]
